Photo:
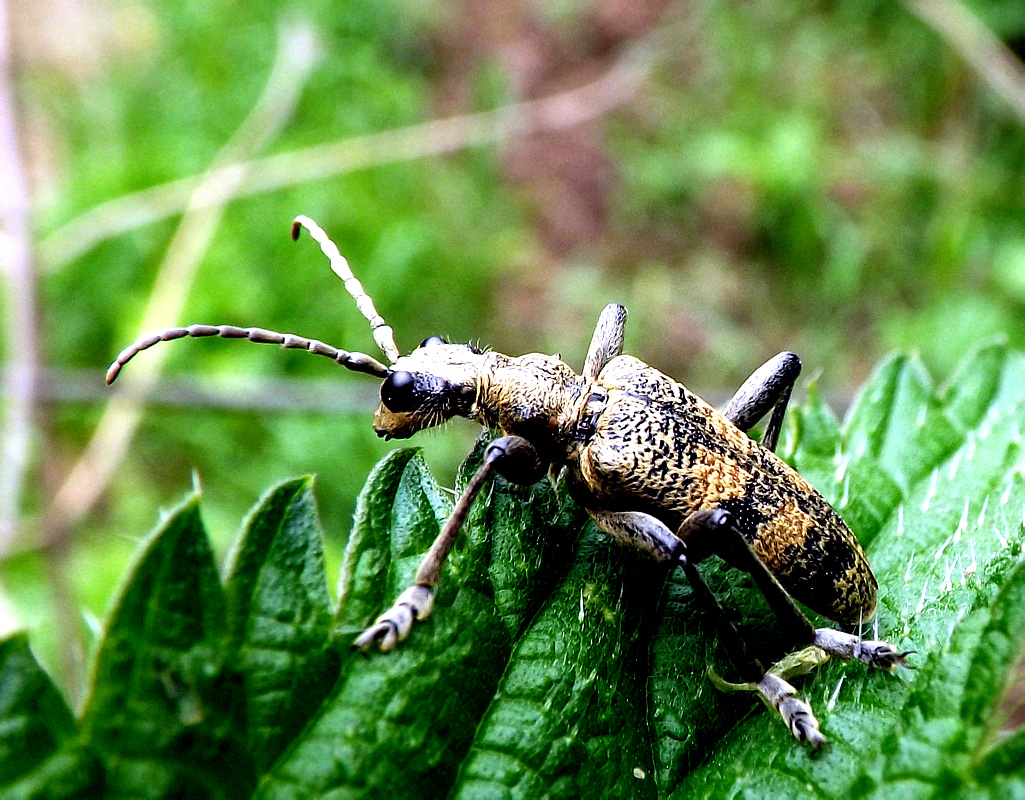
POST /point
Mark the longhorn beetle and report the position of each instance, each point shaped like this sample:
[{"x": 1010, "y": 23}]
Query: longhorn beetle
[{"x": 655, "y": 466}]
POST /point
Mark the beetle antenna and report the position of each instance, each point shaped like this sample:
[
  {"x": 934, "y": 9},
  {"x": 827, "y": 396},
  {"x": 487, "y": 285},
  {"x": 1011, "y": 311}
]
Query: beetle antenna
[
  {"x": 383, "y": 334},
  {"x": 358, "y": 362}
]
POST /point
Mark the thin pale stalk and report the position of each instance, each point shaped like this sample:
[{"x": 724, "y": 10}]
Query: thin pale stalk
[
  {"x": 982, "y": 49},
  {"x": 436, "y": 137},
  {"x": 91, "y": 474}
]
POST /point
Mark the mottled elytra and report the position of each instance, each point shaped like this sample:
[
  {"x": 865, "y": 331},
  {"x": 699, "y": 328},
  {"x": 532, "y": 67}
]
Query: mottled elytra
[{"x": 656, "y": 467}]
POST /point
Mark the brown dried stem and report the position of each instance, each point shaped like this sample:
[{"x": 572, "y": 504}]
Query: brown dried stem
[{"x": 20, "y": 318}]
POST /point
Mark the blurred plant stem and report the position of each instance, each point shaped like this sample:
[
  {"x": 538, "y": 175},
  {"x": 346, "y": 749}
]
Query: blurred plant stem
[
  {"x": 982, "y": 49},
  {"x": 87, "y": 480},
  {"x": 296, "y": 56},
  {"x": 228, "y": 180},
  {"x": 21, "y": 354},
  {"x": 20, "y": 318}
]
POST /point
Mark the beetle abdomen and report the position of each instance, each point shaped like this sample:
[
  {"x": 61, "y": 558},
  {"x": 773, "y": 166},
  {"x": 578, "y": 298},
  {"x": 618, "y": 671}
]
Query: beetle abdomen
[{"x": 660, "y": 449}]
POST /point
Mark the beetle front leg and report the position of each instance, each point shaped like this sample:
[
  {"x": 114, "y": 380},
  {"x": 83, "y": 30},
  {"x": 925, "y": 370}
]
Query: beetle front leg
[
  {"x": 768, "y": 387},
  {"x": 512, "y": 457}
]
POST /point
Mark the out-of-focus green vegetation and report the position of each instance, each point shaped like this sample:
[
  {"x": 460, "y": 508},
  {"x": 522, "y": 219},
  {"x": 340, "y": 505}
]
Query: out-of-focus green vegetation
[{"x": 830, "y": 178}]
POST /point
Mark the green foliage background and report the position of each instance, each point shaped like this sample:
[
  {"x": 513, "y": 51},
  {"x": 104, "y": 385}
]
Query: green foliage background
[{"x": 830, "y": 178}]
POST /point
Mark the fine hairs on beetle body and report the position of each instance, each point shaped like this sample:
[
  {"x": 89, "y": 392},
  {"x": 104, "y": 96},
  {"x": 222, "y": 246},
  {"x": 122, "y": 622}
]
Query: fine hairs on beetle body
[{"x": 655, "y": 466}]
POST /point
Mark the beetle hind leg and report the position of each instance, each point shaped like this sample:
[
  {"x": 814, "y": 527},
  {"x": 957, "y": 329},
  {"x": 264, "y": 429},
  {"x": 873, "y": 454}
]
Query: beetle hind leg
[
  {"x": 769, "y": 387},
  {"x": 728, "y": 543},
  {"x": 873, "y": 652},
  {"x": 772, "y": 684},
  {"x": 795, "y": 712},
  {"x": 650, "y": 534},
  {"x": 713, "y": 531},
  {"x": 777, "y": 693}
]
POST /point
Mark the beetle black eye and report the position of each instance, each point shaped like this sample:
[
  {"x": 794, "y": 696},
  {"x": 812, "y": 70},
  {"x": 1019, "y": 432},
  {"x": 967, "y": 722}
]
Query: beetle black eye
[
  {"x": 432, "y": 340},
  {"x": 398, "y": 392}
]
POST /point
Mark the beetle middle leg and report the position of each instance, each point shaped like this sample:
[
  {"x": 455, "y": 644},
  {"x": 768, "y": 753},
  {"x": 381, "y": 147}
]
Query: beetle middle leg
[{"x": 512, "y": 457}]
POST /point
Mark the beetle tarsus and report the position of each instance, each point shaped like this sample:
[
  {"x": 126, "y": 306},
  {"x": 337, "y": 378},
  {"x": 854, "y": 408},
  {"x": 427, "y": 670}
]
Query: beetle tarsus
[
  {"x": 881, "y": 655},
  {"x": 394, "y": 625},
  {"x": 874, "y": 653},
  {"x": 794, "y": 711}
]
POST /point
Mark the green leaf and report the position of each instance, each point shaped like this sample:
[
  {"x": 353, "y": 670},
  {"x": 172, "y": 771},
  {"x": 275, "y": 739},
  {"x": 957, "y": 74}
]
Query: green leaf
[
  {"x": 815, "y": 426},
  {"x": 556, "y": 662},
  {"x": 279, "y": 617},
  {"x": 568, "y": 717},
  {"x": 398, "y": 724},
  {"x": 942, "y": 555},
  {"x": 36, "y": 720},
  {"x": 383, "y": 709},
  {"x": 164, "y": 709},
  {"x": 898, "y": 422},
  {"x": 949, "y": 735},
  {"x": 40, "y": 754}
]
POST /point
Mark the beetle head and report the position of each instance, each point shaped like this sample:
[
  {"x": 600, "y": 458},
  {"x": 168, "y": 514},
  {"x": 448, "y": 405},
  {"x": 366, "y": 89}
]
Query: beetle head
[{"x": 434, "y": 383}]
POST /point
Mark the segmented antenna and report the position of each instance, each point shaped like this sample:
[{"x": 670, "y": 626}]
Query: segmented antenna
[
  {"x": 358, "y": 362},
  {"x": 383, "y": 334}
]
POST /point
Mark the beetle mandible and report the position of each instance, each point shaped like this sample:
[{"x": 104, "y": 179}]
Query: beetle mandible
[{"x": 655, "y": 466}]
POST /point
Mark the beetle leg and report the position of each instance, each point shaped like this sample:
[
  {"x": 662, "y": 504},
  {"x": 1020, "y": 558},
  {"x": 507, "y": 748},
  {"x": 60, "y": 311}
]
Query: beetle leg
[
  {"x": 795, "y": 712},
  {"x": 729, "y": 544},
  {"x": 651, "y": 535},
  {"x": 771, "y": 684},
  {"x": 768, "y": 387},
  {"x": 645, "y": 532},
  {"x": 713, "y": 532},
  {"x": 607, "y": 341},
  {"x": 846, "y": 646},
  {"x": 513, "y": 458},
  {"x": 638, "y": 530}
]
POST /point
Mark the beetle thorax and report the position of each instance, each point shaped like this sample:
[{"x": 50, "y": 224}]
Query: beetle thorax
[{"x": 534, "y": 396}]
